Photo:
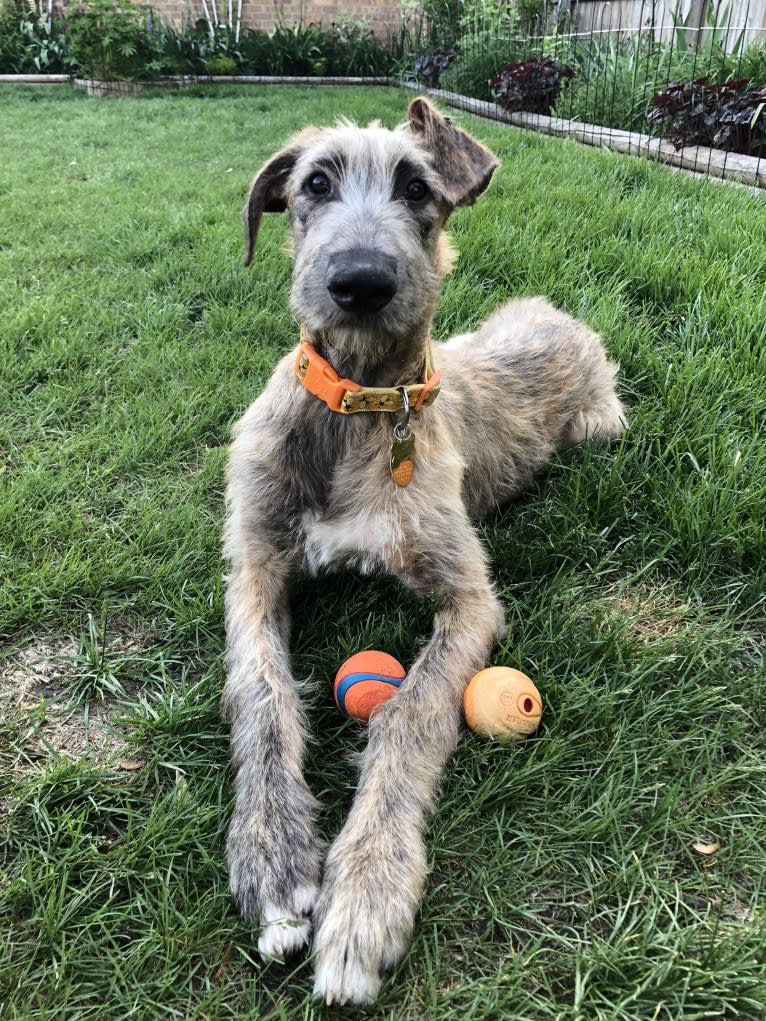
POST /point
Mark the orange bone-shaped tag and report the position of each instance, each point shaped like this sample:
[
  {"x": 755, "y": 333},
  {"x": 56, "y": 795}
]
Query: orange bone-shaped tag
[
  {"x": 402, "y": 474},
  {"x": 402, "y": 452}
]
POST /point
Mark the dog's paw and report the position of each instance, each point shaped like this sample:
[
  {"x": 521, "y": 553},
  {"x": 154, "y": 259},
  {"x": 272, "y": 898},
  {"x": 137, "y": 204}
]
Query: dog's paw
[
  {"x": 351, "y": 951},
  {"x": 364, "y": 915},
  {"x": 343, "y": 979},
  {"x": 285, "y": 930},
  {"x": 354, "y": 949},
  {"x": 272, "y": 892},
  {"x": 274, "y": 868}
]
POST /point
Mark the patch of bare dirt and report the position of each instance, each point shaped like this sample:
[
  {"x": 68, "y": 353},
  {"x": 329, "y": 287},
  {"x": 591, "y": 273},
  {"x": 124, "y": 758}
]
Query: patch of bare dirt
[
  {"x": 650, "y": 613},
  {"x": 39, "y": 677}
]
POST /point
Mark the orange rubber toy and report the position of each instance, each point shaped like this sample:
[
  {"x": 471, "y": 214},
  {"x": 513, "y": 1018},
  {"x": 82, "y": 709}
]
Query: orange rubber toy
[{"x": 503, "y": 704}]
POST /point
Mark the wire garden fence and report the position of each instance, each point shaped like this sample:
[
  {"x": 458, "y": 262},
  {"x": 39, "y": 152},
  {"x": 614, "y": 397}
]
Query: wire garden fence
[{"x": 685, "y": 84}]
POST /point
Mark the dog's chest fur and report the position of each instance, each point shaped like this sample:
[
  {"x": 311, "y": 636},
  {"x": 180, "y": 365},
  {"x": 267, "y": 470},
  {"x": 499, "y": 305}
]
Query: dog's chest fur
[
  {"x": 341, "y": 503},
  {"x": 366, "y": 540},
  {"x": 363, "y": 521}
]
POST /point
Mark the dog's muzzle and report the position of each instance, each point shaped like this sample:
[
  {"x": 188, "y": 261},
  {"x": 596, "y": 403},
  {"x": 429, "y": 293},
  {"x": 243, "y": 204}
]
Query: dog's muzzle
[{"x": 361, "y": 280}]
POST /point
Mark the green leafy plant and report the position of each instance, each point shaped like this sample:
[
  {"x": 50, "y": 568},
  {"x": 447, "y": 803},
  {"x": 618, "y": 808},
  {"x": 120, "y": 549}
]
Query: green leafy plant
[
  {"x": 31, "y": 38},
  {"x": 496, "y": 16},
  {"x": 94, "y": 671},
  {"x": 532, "y": 16},
  {"x": 351, "y": 48},
  {"x": 751, "y": 63},
  {"x": 616, "y": 74},
  {"x": 296, "y": 49},
  {"x": 346, "y": 47},
  {"x": 223, "y": 65},
  {"x": 427, "y": 25},
  {"x": 202, "y": 48},
  {"x": 615, "y": 80},
  {"x": 481, "y": 57},
  {"x": 13, "y": 45},
  {"x": 115, "y": 40},
  {"x": 484, "y": 31}
]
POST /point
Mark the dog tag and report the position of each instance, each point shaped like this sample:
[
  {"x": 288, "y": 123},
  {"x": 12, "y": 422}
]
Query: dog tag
[{"x": 402, "y": 453}]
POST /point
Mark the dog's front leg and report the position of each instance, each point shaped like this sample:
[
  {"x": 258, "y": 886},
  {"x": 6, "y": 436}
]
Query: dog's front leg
[
  {"x": 272, "y": 850},
  {"x": 375, "y": 870}
]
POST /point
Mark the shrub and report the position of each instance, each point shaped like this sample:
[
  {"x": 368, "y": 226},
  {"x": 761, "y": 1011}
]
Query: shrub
[
  {"x": 256, "y": 50},
  {"x": 617, "y": 78},
  {"x": 750, "y": 64},
  {"x": 532, "y": 85},
  {"x": 221, "y": 66},
  {"x": 31, "y": 39},
  {"x": 727, "y": 115},
  {"x": 614, "y": 81},
  {"x": 350, "y": 48},
  {"x": 481, "y": 57},
  {"x": 296, "y": 49},
  {"x": 201, "y": 49},
  {"x": 115, "y": 40},
  {"x": 13, "y": 45},
  {"x": 346, "y": 48},
  {"x": 442, "y": 18}
]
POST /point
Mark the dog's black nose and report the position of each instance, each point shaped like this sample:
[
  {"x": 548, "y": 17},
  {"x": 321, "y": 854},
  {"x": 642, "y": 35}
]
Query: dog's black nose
[{"x": 361, "y": 280}]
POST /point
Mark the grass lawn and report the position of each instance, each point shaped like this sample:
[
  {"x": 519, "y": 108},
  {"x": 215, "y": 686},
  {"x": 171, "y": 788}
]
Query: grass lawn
[{"x": 564, "y": 879}]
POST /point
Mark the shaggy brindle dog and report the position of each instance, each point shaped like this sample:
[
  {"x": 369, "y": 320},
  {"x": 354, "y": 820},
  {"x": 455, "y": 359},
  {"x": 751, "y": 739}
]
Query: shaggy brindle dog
[{"x": 318, "y": 479}]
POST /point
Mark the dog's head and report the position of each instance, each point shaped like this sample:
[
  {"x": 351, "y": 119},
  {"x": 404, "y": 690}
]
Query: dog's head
[{"x": 368, "y": 207}]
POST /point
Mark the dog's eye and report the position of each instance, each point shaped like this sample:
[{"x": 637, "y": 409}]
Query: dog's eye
[
  {"x": 416, "y": 191},
  {"x": 318, "y": 184}
]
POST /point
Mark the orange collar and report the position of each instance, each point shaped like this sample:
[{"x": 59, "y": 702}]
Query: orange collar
[{"x": 347, "y": 397}]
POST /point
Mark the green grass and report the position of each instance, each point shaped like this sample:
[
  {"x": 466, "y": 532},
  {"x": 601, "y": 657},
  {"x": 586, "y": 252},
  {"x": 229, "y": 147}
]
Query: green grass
[{"x": 563, "y": 883}]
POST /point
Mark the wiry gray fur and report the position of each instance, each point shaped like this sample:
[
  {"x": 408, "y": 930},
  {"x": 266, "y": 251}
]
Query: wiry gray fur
[{"x": 310, "y": 489}]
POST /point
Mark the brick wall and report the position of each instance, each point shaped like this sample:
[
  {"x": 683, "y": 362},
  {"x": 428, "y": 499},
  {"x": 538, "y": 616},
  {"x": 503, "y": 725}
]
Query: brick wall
[{"x": 382, "y": 16}]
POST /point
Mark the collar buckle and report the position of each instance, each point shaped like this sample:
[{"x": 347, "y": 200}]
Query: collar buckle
[{"x": 321, "y": 379}]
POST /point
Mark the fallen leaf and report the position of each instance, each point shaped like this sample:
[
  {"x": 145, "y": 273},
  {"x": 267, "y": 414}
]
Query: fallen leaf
[{"x": 701, "y": 848}]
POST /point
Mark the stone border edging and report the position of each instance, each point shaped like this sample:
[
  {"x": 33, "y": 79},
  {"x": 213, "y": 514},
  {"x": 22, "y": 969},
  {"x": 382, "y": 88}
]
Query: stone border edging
[
  {"x": 288, "y": 80},
  {"x": 181, "y": 81},
  {"x": 35, "y": 79}
]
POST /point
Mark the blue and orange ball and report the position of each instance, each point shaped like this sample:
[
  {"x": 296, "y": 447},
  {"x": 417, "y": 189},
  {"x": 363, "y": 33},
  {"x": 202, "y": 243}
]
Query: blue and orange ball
[{"x": 365, "y": 681}]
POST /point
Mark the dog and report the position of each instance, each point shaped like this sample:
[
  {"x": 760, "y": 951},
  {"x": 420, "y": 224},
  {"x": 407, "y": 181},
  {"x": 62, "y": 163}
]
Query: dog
[{"x": 373, "y": 448}]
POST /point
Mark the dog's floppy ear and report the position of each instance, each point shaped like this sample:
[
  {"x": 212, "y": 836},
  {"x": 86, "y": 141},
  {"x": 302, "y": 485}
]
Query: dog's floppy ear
[
  {"x": 267, "y": 192},
  {"x": 464, "y": 165}
]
